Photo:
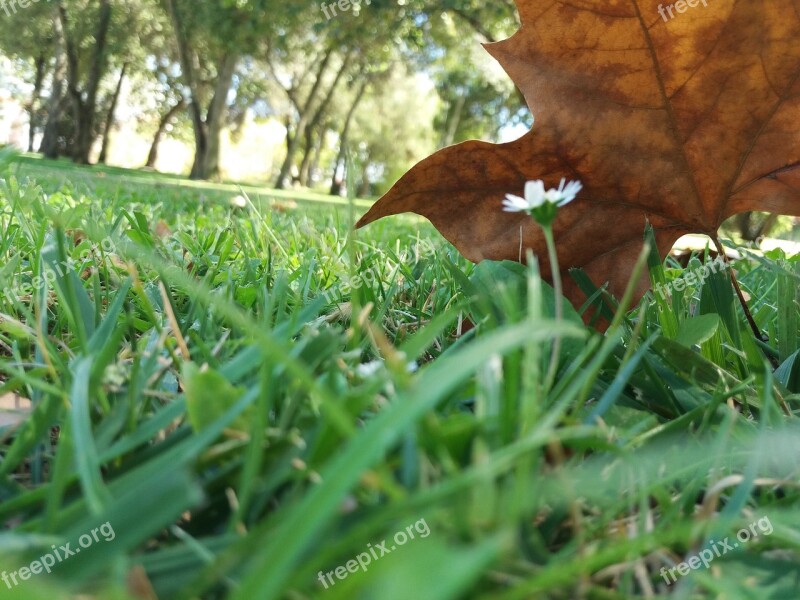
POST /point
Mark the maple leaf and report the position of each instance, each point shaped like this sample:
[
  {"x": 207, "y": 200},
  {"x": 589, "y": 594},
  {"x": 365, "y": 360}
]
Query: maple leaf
[{"x": 683, "y": 121}]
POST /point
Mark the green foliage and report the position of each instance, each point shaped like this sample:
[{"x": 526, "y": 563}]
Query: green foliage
[
  {"x": 245, "y": 420},
  {"x": 411, "y": 55}
]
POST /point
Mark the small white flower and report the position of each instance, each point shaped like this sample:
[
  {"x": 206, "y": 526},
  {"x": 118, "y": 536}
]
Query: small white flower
[
  {"x": 369, "y": 369},
  {"x": 536, "y": 196},
  {"x": 238, "y": 201}
]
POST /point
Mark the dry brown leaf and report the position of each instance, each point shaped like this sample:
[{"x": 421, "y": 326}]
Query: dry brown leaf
[
  {"x": 162, "y": 229},
  {"x": 139, "y": 585},
  {"x": 283, "y": 207},
  {"x": 684, "y": 121}
]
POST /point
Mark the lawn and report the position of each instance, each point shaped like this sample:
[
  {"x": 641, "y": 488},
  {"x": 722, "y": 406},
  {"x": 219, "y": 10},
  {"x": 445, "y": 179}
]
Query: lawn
[{"x": 217, "y": 398}]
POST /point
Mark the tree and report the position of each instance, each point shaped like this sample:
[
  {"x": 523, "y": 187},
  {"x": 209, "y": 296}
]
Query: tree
[
  {"x": 313, "y": 61},
  {"x": 475, "y": 104},
  {"x": 84, "y": 97},
  {"x": 344, "y": 138},
  {"x": 31, "y": 44},
  {"x": 77, "y": 43},
  {"x": 307, "y": 66},
  {"x": 163, "y": 124},
  {"x": 211, "y": 38},
  {"x": 385, "y": 141},
  {"x": 309, "y": 111},
  {"x": 110, "y": 116}
]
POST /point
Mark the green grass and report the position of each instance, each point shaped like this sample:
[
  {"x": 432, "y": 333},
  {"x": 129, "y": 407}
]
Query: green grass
[
  {"x": 250, "y": 397},
  {"x": 111, "y": 182}
]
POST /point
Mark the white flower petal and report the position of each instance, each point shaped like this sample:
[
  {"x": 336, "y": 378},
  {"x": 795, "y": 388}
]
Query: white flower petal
[
  {"x": 534, "y": 193},
  {"x": 514, "y": 203},
  {"x": 570, "y": 192},
  {"x": 369, "y": 369},
  {"x": 552, "y": 196},
  {"x": 517, "y": 200}
]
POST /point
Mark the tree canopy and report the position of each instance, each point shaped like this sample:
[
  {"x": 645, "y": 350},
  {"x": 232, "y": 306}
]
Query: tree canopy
[{"x": 389, "y": 80}]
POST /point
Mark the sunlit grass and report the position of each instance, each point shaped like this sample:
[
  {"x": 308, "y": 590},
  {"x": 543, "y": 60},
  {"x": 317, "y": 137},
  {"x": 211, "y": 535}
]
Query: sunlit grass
[{"x": 252, "y": 397}]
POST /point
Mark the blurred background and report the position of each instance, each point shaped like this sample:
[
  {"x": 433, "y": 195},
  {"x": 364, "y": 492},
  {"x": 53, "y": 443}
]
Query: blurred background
[
  {"x": 265, "y": 92},
  {"x": 258, "y": 91}
]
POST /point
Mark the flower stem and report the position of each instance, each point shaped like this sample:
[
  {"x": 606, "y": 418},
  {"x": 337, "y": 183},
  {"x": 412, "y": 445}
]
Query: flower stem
[{"x": 557, "y": 287}]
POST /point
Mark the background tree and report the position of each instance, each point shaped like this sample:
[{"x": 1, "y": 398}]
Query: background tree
[
  {"x": 211, "y": 39},
  {"x": 385, "y": 141},
  {"x": 83, "y": 89},
  {"x": 218, "y": 65},
  {"x": 29, "y": 41}
]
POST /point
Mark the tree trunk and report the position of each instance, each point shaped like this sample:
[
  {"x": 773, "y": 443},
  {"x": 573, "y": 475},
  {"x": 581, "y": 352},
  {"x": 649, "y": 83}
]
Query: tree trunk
[
  {"x": 152, "y": 157},
  {"x": 207, "y": 145},
  {"x": 752, "y": 231},
  {"x": 85, "y": 105},
  {"x": 336, "y": 184},
  {"x": 314, "y": 166},
  {"x": 200, "y": 138},
  {"x": 308, "y": 152},
  {"x": 49, "y": 145},
  {"x": 82, "y": 145},
  {"x": 304, "y": 116},
  {"x": 314, "y": 124},
  {"x": 110, "y": 117},
  {"x": 365, "y": 187},
  {"x": 454, "y": 120},
  {"x": 33, "y": 119},
  {"x": 287, "y": 122},
  {"x": 208, "y": 130},
  {"x": 187, "y": 73}
]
